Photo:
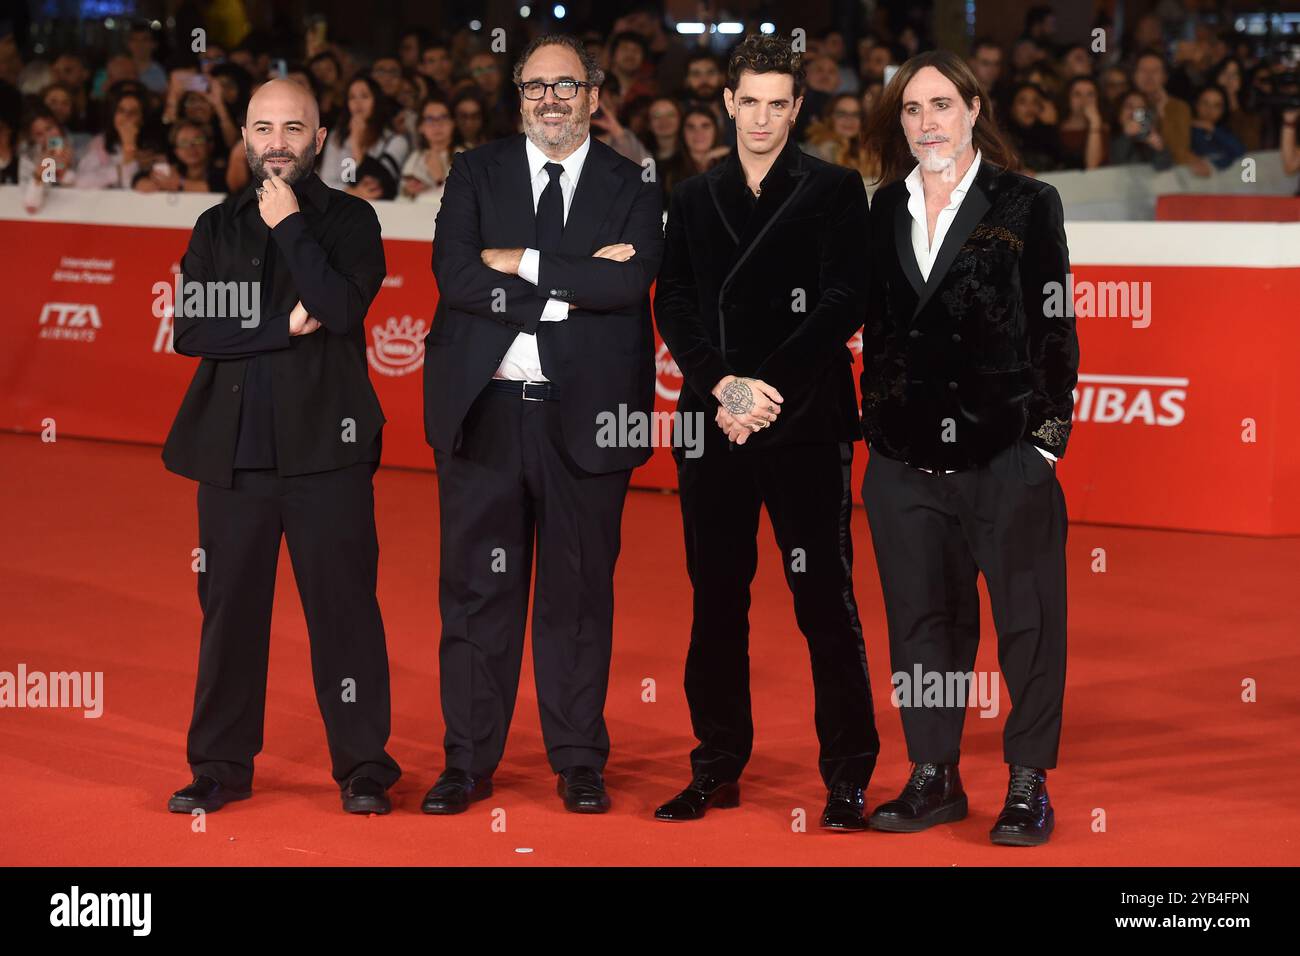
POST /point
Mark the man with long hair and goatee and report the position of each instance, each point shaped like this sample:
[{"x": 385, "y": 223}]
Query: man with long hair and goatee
[{"x": 966, "y": 403}]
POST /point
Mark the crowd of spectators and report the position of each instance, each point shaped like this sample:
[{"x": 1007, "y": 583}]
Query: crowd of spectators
[{"x": 119, "y": 119}]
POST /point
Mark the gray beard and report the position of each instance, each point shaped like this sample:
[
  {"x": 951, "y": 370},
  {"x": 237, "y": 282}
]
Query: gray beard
[
  {"x": 566, "y": 138},
  {"x": 934, "y": 164}
]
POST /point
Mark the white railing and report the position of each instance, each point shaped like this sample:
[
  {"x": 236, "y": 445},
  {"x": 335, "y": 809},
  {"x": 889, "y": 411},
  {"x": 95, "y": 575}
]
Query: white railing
[{"x": 1121, "y": 193}]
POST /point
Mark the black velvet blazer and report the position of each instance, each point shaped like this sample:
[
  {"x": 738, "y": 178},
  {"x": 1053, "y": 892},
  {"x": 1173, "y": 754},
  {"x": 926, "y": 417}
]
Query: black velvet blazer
[
  {"x": 958, "y": 368},
  {"x": 772, "y": 290}
]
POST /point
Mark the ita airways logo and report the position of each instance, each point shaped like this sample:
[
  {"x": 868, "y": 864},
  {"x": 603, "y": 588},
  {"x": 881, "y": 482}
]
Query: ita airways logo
[
  {"x": 668, "y": 377},
  {"x": 397, "y": 346},
  {"x": 69, "y": 321},
  {"x": 1125, "y": 399}
]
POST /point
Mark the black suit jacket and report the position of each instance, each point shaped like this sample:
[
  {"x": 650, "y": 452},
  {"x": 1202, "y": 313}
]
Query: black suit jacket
[
  {"x": 958, "y": 368},
  {"x": 330, "y": 256},
  {"x": 602, "y": 355},
  {"x": 773, "y": 295}
]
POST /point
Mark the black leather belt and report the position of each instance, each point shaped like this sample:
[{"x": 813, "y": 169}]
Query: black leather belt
[{"x": 529, "y": 391}]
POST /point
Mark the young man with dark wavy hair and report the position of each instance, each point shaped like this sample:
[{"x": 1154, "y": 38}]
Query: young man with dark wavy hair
[
  {"x": 762, "y": 285},
  {"x": 966, "y": 405}
]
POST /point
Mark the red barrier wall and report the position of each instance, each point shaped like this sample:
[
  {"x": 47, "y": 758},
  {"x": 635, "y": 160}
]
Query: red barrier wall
[
  {"x": 1158, "y": 438},
  {"x": 1208, "y": 207}
]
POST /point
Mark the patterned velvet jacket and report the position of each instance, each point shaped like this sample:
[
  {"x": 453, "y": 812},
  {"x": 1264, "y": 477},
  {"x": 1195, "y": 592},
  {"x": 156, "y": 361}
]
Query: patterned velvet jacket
[{"x": 957, "y": 368}]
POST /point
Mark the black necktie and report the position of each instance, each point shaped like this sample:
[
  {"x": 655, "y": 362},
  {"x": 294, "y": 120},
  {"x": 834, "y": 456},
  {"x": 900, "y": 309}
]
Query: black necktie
[{"x": 550, "y": 211}]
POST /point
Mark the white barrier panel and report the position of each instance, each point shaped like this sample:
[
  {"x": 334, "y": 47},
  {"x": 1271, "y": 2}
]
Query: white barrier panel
[
  {"x": 1241, "y": 244},
  {"x": 1129, "y": 193}
]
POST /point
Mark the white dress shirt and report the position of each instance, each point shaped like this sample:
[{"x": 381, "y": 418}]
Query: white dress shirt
[
  {"x": 925, "y": 250},
  {"x": 522, "y": 361}
]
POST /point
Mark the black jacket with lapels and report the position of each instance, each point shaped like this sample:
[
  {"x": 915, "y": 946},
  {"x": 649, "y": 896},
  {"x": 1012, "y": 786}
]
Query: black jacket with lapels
[
  {"x": 325, "y": 414},
  {"x": 958, "y": 368},
  {"x": 601, "y": 357},
  {"x": 771, "y": 288}
]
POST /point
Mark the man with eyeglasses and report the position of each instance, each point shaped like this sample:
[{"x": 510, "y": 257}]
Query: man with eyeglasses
[
  {"x": 501, "y": 109},
  {"x": 545, "y": 248},
  {"x": 387, "y": 72}
]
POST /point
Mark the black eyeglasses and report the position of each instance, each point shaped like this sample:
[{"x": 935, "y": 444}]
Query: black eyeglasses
[{"x": 564, "y": 89}]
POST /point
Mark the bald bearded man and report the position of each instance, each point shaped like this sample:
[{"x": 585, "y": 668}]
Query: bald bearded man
[{"x": 281, "y": 428}]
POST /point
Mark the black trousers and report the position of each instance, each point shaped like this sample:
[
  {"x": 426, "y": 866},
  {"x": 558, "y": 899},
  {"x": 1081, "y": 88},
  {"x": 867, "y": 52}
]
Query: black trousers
[
  {"x": 807, "y": 492},
  {"x": 933, "y": 535},
  {"x": 328, "y": 520},
  {"x": 509, "y": 490}
]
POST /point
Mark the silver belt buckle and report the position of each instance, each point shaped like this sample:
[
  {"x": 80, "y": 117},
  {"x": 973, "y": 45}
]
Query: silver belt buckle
[{"x": 525, "y": 391}]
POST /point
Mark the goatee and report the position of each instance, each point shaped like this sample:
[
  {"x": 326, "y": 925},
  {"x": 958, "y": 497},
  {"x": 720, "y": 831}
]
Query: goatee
[{"x": 300, "y": 166}]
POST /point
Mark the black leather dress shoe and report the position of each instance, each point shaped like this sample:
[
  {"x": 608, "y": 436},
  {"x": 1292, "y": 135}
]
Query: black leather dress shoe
[
  {"x": 844, "y": 807},
  {"x": 583, "y": 790},
  {"x": 704, "y": 791},
  {"x": 454, "y": 791},
  {"x": 1027, "y": 817},
  {"x": 933, "y": 794},
  {"x": 366, "y": 795},
  {"x": 206, "y": 794}
]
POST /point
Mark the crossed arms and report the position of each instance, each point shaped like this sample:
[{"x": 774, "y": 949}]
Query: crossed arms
[{"x": 473, "y": 278}]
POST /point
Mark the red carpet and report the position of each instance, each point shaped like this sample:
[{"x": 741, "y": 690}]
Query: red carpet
[{"x": 1161, "y": 762}]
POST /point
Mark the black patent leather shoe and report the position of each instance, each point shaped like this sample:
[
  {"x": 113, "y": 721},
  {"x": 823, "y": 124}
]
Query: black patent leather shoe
[
  {"x": 366, "y": 795},
  {"x": 844, "y": 807},
  {"x": 206, "y": 794},
  {"x": 933, "y": 795},
  {"x": 583, "y": 790},
  {"x": 1027, "y": 817},
  {"x": 454, "y": 791},
  {"x": 704, "y": 792}
]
